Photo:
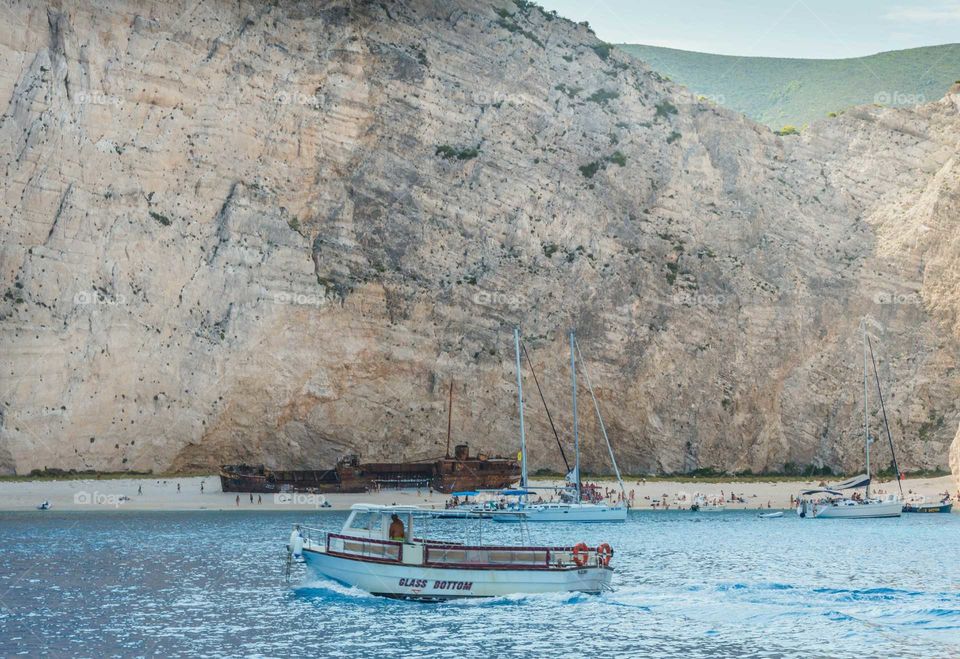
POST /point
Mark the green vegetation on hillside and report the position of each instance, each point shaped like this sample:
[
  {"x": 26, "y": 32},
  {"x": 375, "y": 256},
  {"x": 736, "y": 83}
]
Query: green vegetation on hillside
[
  {"x": 781, "y": 92},
  {"x": 451, "y": 152}
]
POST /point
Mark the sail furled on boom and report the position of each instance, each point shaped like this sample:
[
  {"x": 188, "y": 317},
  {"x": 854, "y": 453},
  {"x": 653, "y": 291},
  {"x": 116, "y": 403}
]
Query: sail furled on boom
[{"x": 852, "y": 483}]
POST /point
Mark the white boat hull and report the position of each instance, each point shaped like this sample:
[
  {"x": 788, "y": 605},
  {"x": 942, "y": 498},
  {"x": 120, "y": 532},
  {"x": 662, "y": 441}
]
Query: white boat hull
[
  {"x": 572, "y": 512},
  {"x": 440, "y": 583},
  {"x": 861, "y": 510}
]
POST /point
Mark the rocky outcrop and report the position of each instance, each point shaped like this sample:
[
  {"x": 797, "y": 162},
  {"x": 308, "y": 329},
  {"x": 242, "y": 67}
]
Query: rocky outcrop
[{"x": 275, "y": 233}]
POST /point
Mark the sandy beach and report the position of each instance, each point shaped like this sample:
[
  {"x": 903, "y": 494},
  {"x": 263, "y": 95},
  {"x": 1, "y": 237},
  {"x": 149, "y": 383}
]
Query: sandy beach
[{"x": 184, "y": 493}]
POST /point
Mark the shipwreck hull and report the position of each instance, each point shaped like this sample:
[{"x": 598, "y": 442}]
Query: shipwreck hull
[
  {"x": 241, "y": 478},
  {"x": 446, "y": 475}
]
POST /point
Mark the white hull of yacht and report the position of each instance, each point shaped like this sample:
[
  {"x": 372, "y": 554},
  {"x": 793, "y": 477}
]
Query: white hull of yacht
[
  {"x": 565, "y": 512},
  {"x": 436, "y": 583},
  {"x": 858, "y": 509}
]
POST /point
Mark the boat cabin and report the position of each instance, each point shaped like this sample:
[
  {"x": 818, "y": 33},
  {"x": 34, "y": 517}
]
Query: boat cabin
[{"x": 373, "y": 522}]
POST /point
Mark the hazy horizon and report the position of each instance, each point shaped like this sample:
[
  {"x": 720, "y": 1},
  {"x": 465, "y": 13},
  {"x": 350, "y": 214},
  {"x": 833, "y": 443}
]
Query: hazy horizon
[{"x": 806, "y": 29}]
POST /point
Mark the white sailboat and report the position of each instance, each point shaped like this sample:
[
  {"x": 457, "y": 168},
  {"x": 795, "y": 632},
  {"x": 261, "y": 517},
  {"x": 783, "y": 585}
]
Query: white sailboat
[
  {"x": 832, "y": 503},
  {"x": 572, "y": 507}
]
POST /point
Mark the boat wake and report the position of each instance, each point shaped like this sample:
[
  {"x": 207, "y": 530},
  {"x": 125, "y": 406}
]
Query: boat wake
[
  {"x": 325, "y": 588},
  {"x": 521, "y": 599}
]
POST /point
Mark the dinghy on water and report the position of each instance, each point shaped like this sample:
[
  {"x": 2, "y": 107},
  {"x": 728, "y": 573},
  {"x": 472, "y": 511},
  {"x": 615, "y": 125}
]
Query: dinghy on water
[
  {"x": 921, "y": 505},
  {"x": 381, "y": 549}
]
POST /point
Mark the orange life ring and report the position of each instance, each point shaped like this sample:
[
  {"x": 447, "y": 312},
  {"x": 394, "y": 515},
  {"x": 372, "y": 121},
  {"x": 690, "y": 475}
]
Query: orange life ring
[
  {"x": 604, "y": 554},
  {"x": 580, "y": 554}
]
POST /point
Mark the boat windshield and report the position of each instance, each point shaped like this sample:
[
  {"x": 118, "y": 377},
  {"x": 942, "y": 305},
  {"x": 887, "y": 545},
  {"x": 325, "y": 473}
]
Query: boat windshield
[{"x": 363, "y": 521}]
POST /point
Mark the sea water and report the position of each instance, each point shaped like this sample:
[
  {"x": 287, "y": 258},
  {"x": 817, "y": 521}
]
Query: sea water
[{"x": 686, "y": 585}]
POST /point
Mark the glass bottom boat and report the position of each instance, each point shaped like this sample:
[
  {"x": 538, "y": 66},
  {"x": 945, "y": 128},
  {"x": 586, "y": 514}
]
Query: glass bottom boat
[{"x": 377, "y": 551}]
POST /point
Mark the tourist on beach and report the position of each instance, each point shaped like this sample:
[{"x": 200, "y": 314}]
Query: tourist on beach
[
  {"x": 238, "y": 501},
  {"x": 251, "y": 497},
  {"x": 201, "y": 487},
  {"x": 259, "y": 500},
  {"x": 178, "y": 487},
  {"x": 140, "y": 489}
]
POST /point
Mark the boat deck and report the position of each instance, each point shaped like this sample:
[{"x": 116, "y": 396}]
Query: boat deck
[{"x": 443, "y": 554}]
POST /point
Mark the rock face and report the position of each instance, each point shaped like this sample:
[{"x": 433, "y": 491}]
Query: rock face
[{"x": 275, "y": 233}]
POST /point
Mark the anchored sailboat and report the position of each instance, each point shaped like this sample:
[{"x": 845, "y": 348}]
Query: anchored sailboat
[
  {"x": 833, "y": 503},
  {"x": 571, "y": 507}
]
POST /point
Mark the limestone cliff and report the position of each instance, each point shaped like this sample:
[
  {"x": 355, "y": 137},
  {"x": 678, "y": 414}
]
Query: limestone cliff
[{"x": 275, "y": 232}]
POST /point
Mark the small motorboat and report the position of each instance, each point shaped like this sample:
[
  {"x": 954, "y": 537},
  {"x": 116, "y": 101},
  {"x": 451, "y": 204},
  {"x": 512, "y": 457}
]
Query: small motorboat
[
  {"x": 921, "y": 505},
  {"x": 775, "y": 515},
  {"x": 380, "y": 550},
  {"x": 46, "y": 505},
  {"x": 704, "y": 505}
]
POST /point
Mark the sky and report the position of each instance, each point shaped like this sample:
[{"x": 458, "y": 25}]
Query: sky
[{"x": 819, "y": 29}]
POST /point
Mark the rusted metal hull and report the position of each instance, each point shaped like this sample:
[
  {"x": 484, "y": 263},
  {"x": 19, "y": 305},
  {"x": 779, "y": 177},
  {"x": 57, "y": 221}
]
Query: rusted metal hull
[{"x": 443, "y": 474}]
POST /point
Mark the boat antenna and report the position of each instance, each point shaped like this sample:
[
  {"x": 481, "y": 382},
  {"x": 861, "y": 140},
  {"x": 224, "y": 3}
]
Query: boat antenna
[
  {"x": 576, "y": 419},
  {"x": 884, "y": 410},
  {"x": 523, "y": 436},
  {"x": 596, "y": 406},
  {"x": 449, "y": 418},
  {"x": 533, "y": 372}
]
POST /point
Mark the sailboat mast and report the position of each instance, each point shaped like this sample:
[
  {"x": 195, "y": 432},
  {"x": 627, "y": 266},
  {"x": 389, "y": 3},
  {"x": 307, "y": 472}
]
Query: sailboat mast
[
  {"x": 866, "y": 418},
  {"x": 449, "y": 418},
  {"x": 576, "y": 420},
  {"x": 886, "y": 424},
  {"x": 523, "y": 436},
  {"x": 603, "y": 429}
]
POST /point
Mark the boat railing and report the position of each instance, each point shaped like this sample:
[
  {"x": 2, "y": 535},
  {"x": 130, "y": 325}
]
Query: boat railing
[
  {"x": 379, "y": 550},
  {"x": 480, "y": 556},
  {"x": 453, "y": 554},
  {"x": 312, "y": 534}
]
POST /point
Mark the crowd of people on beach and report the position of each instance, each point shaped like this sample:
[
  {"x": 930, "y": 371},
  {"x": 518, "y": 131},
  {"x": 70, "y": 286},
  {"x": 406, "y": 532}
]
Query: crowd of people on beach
[{"x": 589, "y": 493}]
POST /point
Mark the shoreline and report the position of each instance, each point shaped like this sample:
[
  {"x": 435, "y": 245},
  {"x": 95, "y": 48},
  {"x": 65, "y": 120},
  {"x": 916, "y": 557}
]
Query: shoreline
[{"x": 161, "y": 494}]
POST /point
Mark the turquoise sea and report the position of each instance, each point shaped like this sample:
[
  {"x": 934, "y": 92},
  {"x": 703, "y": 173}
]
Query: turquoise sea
[{"x": 687, "y": 584}]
